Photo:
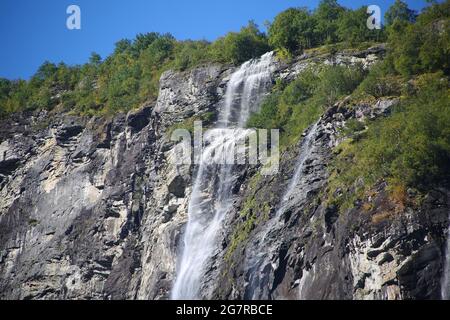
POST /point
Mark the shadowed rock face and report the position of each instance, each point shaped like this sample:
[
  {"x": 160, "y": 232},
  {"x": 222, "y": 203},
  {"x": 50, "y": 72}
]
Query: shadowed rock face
[{"x": 95, "y": 208}]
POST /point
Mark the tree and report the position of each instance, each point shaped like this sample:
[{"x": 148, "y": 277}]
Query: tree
[
  {"x": 122, "y": 46},
  {"x": 5, "y": 87},
  {"x": 422, "y": 46},
  {"x": 160, "y": 49},
  {"x": 292, "y": 30},
  {"x": 143, "y": 41},
  {"x": 45, "y": 71},
  {"x": 352, "y": 27},
  {"x": 399, "y": 11},
  {"x": 241, "y": 46},
  {"x": 95, "y": 59},
  {"x": 190, "y": 53},
  {"x": 327, "y": 15}
]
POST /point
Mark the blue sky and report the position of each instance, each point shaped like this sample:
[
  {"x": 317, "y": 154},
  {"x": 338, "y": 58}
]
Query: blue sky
[{"x": 34, "y": 31}]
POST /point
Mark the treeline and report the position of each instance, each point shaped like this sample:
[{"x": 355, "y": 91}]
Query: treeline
[
  {"x": 297, "y": 29},
  {"x": 130, "y": 75}
]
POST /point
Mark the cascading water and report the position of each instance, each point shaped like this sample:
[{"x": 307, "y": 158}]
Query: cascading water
[
  {"x": 305, "y": 152},
  {"x": 445, "y": 282},
  {"x": 211, "y": 196},
  {"x": 256, "y": 256}
]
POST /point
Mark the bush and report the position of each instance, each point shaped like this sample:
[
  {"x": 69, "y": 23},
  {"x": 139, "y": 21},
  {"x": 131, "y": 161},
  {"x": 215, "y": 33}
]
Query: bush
[
  {"x": 424, "y": 46},
  {"x": 380, "y": 83},
  {"x": 352, "y": 28},
  {"x": 190, "y": 53},
  {"x": 130, "y": 76}
]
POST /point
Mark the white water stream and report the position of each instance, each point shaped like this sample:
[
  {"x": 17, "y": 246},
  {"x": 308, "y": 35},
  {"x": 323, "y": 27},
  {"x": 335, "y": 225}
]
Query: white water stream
[
  {"x": 256, "y": 256},
  {"x": 305, "y": 152},
  {"x": 211, "y": 197}
]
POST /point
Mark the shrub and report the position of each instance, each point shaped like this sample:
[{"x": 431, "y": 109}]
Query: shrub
[{"x": 380, "y": 83}]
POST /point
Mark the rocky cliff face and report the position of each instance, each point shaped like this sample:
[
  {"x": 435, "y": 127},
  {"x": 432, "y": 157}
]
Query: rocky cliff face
[
  {"x": 315, "y": 252},
  {"x": 95, "y": 208}
]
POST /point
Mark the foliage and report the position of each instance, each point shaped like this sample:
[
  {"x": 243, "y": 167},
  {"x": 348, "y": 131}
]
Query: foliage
[
  {"x": 399, "y": 11},
  {"x": 292, "y": 30},
  {"x": 128, "y": 77},
  {"x": 328, "y": 15},
  {"x": 352, "y": 28},
  {"x": 296, "y": 106},
  {"x": 297, "y": 29},
  {"x": 254, "y": 210},
  {"x": 423, "y": 46},
  {"x": 409, "y": 148},
  {"x": 380, "y": 82},
  {"x": 241, "y": 46}
]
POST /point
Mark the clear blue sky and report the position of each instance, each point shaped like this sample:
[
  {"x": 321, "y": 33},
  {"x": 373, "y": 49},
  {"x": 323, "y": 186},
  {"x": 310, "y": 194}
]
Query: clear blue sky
[{"x": 33, "y": 31}]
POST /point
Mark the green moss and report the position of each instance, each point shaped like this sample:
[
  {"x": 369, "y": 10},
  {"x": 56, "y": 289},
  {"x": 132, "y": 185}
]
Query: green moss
[
  {"x": 254, "y": 210},
  {"x": 33, "y": 222}
]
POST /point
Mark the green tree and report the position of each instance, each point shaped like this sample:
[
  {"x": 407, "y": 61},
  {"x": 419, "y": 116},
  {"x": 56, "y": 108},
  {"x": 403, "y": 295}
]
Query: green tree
[
  {"x": 292, "y": 30},
  {"x": 423, "y": 46},
  {"x": 95, "y": 59},
  {"x": 143, "y": 41},
  {"x": 327, "y": 15},
  {"x": 352, "y": 27},
  {"x": 241, "y": 46},
  {"x": 190, "y": 53},
  {"x": 123, "y": 46},
  {"x": 399, "y": 11},
  {"x": 45, "y": 71}
]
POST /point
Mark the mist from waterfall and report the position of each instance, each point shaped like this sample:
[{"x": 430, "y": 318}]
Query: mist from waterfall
[
  {"x": 445, "y": 282},
  {"x": 211, "y": 197}
]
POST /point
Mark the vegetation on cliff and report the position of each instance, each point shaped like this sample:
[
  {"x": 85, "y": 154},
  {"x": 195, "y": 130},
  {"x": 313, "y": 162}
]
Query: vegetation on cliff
[
  {"x": 410, "y": 148},
  {"x": 293, "y": 107}
]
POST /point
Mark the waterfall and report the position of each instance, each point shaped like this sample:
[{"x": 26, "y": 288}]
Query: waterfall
[
  {"x": 211, "y": 197},
  {"x": 257, "y": 255},
  {"x": 305, "y": 152},
  {"x": 445, "y": 282}
]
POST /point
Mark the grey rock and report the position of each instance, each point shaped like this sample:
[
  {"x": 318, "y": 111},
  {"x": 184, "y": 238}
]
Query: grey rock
[{"x": 95, "y": 208}]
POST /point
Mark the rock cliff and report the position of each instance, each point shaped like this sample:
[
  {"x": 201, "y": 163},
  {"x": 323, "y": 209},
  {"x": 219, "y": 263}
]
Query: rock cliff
[{"x": 95, "y": 208}]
